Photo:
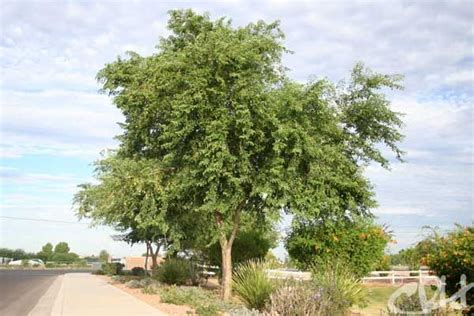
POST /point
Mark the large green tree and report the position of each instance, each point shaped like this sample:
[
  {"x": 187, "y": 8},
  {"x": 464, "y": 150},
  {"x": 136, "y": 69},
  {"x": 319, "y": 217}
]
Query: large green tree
[{"x": 232, "y": 134}]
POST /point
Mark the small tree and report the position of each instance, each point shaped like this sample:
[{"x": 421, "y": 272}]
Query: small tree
[
  {"x": 46, "y": 252},
  {"x": 128, "y": 197},
  {"x": 104, "y": 256}
]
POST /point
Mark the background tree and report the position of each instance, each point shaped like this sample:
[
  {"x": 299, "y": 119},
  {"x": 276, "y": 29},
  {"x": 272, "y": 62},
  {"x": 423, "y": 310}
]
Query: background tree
[
  {"x": 128, "y": 197},
  {"x": 359, "y": 243},
  {"x": 46, "y": 252},
  {"x": 16, "y": 254},
  {"x": 61, "y": 247},
  {"x": 251, "y": 243},
  {"x": 104, "y": 256},
  {"x": 234, "y": 135}
]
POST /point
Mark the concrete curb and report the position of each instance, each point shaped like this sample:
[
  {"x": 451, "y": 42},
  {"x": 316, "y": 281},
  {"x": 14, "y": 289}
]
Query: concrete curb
[
  {"x": 57, "y": 308},
  {"x": 45, "y": 303}
]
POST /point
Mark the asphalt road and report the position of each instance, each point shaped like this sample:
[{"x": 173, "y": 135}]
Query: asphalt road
[{"x": 20, "y": 290}]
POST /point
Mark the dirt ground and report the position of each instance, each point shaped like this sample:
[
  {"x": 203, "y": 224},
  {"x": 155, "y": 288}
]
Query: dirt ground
[{"x": 151, "y": 299}]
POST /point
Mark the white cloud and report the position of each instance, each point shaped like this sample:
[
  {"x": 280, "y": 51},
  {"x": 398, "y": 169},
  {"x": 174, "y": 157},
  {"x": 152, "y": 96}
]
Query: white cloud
[
  {"x": 400, "y": 211},
  {"x": 50, "y": 53}
]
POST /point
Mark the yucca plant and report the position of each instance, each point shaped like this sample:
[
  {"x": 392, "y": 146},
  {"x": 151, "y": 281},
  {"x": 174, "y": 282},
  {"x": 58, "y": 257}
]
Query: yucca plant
[
  {"x": 340, "y": 288},
  {"x": 252, "y": 284}
]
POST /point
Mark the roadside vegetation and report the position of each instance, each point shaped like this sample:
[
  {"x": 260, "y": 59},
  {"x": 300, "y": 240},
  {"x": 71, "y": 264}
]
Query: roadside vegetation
[
  {"x": 218, "y": 143},
  {"x": 52, "y": 257}
]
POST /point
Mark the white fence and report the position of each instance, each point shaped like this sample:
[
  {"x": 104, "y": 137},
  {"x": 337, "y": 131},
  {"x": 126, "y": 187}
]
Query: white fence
[
  {"x": 391, "y": 277},
  {"x": 395, "y": 277},
  {"x": 289, "y": 274}
]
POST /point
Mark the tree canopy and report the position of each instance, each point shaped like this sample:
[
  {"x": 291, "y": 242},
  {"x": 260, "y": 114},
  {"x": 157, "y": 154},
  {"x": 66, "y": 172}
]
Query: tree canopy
[{"x": 232, "y": 134}]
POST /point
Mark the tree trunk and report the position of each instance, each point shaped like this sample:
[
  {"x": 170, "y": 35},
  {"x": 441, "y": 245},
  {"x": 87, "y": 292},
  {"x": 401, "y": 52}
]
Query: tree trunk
[
  {"x": 147, "y": 255},
  {"x": 226, "y": 248},
  {"x": 154, "y": 255},
  {"x": 226, "y": 270}
]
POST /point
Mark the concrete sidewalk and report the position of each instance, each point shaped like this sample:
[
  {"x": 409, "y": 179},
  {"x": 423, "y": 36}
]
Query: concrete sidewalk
[{"x": 86, "y": 294}]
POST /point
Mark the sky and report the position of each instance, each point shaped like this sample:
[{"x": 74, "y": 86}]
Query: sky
[{"x": 54, "y": 123}]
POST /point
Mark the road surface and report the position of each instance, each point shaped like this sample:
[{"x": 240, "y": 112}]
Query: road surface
[{"x": 20, "y": 290}]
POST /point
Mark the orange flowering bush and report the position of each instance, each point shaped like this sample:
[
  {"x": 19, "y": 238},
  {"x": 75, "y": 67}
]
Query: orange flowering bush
[
  {"x": 452, "y": 256},
  {"x": 359, "y": 243}
]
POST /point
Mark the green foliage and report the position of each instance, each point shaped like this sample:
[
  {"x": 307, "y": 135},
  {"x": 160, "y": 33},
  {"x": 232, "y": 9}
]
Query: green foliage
[
  {"x": 46, "y": 252},
  {"x": 61, "y": 248},
  {"x": 203, "y": 301},
  {"x": 230, "y": 133},
  {"x": 173, "y": 271},
  {"x": 133, "y": 284},
  {"x": 340, "y": 288},
  {"x": 452, "y": 256},
  {"x": 383, "y": 264},
  {"x": 61, "y": 257},
  {"x": 251, "y": 243},
  {"x": 272, "y": 261},
  {"x": 408, "y": 257},
  {"x": 51, "y": 265},
  {"x": 127, "y": 197},
  {"x": 252, "y": 284},
  {"x": 104, "y": 256},
  {"x": 16, "y": 254},
  {"x": 360, "y": 243},
  {"x": 113, "y": 268},
  {"x": 411, "y": 305}
]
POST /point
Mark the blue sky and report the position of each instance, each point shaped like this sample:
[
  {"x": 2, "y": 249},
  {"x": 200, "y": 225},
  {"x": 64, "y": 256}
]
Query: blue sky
[{"x": 54, "y": 123}]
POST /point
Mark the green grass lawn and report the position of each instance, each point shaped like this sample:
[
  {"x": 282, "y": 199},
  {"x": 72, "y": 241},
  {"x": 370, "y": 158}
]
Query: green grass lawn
[{"x": 378, "y": 297}]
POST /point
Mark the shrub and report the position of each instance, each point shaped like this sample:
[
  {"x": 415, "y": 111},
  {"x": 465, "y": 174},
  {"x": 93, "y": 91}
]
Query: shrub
[
  {"x": 411, "y": 305},
  {"x": 114, "y": 268},
  {"x": 203, "y": 302},
  {"x": 252, "y": 284},
  {"x": 340, "y": 288},
  {"x": 134, "y": 284},
  {"x": 50, "y": 265},
  {"x": 173, "y": 271},
  {"x": 148, "y": 281},
  {"x": 360, "y": 243},
  {"x": 296, "y": 299},
  {"x": 150, "y": 289},
  {"x": 414, "y": 273},
  {"x": 383, "y": 264},
  {"x": 452, "y": 256},
  {"x": 138, "y": 271}
]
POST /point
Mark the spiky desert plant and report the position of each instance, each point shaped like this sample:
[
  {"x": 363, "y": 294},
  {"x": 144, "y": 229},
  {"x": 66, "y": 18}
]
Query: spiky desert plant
[
  {"x": 339, "y": 286},
  {"x": 252, "y": 284}
]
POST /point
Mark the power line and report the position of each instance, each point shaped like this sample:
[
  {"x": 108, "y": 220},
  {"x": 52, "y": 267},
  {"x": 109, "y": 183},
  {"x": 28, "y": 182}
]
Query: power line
[{"x": 41, "y": 220}]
